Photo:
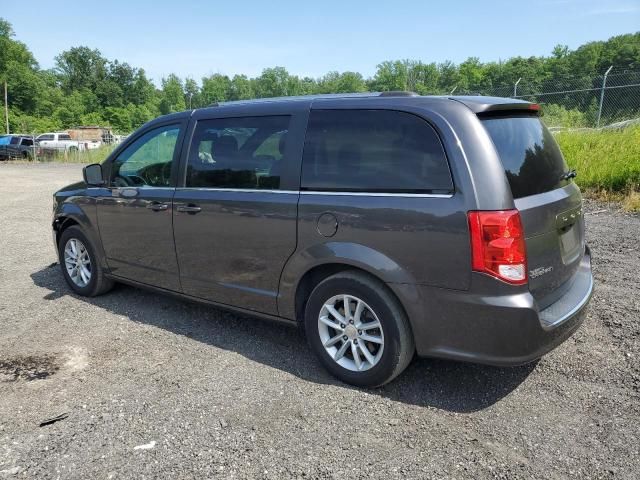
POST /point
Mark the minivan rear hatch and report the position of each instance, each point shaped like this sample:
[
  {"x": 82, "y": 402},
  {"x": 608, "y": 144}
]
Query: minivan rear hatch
[{"x": 549, "y": 202}]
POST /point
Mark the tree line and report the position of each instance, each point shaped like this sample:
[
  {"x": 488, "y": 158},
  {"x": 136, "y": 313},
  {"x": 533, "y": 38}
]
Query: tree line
[{"x": 85, "y": 88}]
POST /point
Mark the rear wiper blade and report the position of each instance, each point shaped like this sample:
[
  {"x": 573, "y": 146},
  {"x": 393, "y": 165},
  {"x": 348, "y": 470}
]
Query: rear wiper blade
[{"x": 569, "y": 174}]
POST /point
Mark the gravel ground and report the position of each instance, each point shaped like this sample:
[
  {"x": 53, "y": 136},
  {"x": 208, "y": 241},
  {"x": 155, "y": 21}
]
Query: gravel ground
[{"x": 153, "y": 387}]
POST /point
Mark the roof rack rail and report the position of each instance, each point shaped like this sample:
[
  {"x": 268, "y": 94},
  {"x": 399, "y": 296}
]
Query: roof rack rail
[
  {"x": 398, "y": 93},
  {"x": 321, "y": 96},
  {"x": 318, "y": 96}
]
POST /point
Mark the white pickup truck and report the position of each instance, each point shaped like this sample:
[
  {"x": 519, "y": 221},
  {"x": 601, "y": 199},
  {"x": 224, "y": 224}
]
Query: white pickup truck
[{"x": 62, "y": 141}]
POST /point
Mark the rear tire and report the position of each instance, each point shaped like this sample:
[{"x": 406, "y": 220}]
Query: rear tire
[
  {"x": 369, "y": 345},
  {"x": 80, "y": 265}
]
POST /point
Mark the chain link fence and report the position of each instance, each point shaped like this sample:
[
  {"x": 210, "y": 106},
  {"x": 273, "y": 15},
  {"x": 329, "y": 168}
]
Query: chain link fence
[{"x": 608, "y": 100}]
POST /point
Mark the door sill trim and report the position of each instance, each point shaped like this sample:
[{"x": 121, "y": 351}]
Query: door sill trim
[{"x": 191, "y": 298}]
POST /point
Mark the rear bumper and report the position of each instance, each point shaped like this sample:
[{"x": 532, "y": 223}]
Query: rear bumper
[{"x": 498, "y": 329}]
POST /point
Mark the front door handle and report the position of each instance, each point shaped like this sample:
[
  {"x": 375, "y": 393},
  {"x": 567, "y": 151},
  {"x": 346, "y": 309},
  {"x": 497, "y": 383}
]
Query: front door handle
[
  {"x": 127, "y": 192},
  {"x": 158, "y": 207},
  {"x": 192, "y": 209}
]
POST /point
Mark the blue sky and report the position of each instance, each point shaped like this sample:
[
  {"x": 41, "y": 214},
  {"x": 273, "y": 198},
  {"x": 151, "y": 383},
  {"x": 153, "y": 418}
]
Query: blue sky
[{"x": 198, "y": 38}]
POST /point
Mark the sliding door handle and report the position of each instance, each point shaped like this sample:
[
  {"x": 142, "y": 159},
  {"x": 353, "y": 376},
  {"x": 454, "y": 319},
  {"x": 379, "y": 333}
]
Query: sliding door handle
[
  {"x": 158, "y": 207},
  {"x": 192, "y": 209}
]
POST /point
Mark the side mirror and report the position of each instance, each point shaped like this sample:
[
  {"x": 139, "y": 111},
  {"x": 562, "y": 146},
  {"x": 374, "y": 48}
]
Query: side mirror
[{"x": 92, "y": 175}]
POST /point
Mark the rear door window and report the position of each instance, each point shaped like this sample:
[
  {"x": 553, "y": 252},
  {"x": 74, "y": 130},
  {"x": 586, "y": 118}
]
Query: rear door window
[
  {"x": 243, "y": 153},
  {"x": 373, "y": 151},
  {"x": 529, "y": 154}
]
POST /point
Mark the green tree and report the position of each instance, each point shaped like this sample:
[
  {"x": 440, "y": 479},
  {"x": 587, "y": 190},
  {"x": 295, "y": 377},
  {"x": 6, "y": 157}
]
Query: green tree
[
  {"x": 192, "y": 97},
  {"x": 334, "y": 82},
  {"x": 139, "y": 114},
  {"x": 391, "y": 76},
  {"x": 119, "y": 118},
  {"x": 448, "y": 77},
  {"x": 69, "y": 114},
  {"x": 472, "y": 75},
  {"x": 142, "y": 90},
  {"x": 276, "y": 82},
  {"x": 215, "y": 88},
  {"x": 240, "y": 88},
  {"x": 19, "y": 69},
  {"x": 423, "y": 78},
  {"x": 172, "y": 95},
  {"x": 81, "y": 67}
]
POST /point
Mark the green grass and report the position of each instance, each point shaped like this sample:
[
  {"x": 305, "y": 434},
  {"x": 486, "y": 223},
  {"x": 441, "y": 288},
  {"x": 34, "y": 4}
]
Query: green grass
[
  {"x": 607, "y": 162},
  {"x": 88, "y": 156}
]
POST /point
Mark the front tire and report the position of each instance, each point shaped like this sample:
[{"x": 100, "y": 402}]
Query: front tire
[
  {"x": 358, "y": 329},
  {"x": 80, "y": 265}
]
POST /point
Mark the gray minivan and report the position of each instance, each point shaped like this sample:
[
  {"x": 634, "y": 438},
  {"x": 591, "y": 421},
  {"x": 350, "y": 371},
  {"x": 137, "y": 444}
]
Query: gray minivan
[{"x": 386, "y": 224}]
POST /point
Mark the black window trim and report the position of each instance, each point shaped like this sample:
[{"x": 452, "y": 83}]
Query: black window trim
[
  {"x": 368, "y": 193},
  {"x": 423, "y": 193}
]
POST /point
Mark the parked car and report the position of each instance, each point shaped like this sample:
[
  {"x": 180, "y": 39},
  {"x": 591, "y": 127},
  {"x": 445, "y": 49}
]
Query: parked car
[
  {"x": 386, "y": 224},
  {"x": 62, "y": 141},
  {"x": 16, "y": 146}
]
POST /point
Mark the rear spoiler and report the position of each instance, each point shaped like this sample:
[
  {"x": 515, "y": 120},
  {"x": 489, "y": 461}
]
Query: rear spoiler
[{"x": 487, "y": 106}]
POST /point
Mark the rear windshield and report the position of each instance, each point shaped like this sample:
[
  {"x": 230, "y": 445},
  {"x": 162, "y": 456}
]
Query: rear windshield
[{"x": 529, "y": 154}]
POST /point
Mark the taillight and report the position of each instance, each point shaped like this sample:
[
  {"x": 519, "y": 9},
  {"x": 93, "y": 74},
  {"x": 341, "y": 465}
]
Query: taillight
[{"x": 497, "y": 245}]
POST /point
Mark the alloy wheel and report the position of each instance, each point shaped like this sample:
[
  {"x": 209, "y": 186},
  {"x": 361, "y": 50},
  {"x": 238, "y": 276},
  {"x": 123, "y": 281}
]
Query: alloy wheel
[
  {"x": 77, "y": 262},
  {"x": 351, "y": 332}
]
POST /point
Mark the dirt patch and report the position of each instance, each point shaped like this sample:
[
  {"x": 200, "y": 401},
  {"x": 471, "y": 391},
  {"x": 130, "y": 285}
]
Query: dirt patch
[{"x": 29, "y": 368}]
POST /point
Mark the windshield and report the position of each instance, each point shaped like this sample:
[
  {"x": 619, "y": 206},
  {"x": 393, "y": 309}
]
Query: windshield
[
  {"x": 530, "y": 155},
  {"x": 5, "y": 139}
]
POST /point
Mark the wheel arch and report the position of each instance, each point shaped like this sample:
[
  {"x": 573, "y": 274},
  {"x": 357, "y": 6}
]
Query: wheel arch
[
  {"x": 321, "y": 260},
  {"x": 71, "y": 214},
  {"x": 60, "y": 224},
  {"x": 313, "y": 277}
]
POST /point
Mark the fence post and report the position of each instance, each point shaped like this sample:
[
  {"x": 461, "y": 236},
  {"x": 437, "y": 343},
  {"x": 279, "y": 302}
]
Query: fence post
[
  {"x": 515, "y": 88},
  {"x": 604, "y": 85},
  {"x": 6, "y": 106}
]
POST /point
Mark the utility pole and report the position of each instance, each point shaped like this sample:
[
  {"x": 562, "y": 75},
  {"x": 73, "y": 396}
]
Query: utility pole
[
  {"x": 515, "y": 88},
  {"x": 6, "y": 106},
  {"x": 604, "y": 85}
]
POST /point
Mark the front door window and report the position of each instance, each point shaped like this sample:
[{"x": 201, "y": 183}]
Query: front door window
[{"x": 147, "y": 161}]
